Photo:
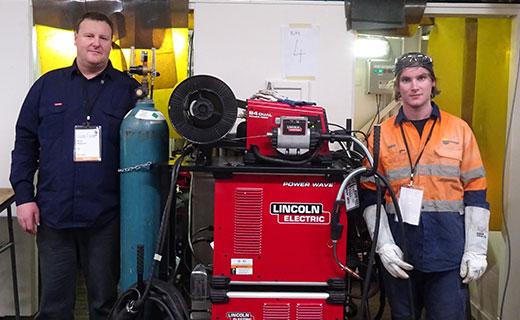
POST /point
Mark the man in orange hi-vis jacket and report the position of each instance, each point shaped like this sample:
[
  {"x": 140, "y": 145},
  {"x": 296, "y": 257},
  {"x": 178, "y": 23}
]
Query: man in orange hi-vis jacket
[{"x": 433, "y": 164}]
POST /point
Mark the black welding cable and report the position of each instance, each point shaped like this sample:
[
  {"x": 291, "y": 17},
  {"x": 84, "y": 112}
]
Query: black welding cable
[
  {"x": 345, "y": 136},
  {"x": 371, "y": 256},
  {"x": 403, "y": 247},
  {"x": 336, "y": 233},
  {"x": 191, "y": 35},
  {"x": 268, "y": 159},
  {"x": 382, "y": 293},
  {"x": 373, "y": 171},
  {"x": 377, "y": 115},
  {"x": 345, "y": 131},
  {"x": 135, "y": 306},
  {"x": 166, "y": 217},
  {"x": 371, "y": 259}
]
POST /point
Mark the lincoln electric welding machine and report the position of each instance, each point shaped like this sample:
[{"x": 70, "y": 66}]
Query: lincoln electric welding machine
[
  {"x": 273, "y": 256},
  {"x": 279, "y": 129}
]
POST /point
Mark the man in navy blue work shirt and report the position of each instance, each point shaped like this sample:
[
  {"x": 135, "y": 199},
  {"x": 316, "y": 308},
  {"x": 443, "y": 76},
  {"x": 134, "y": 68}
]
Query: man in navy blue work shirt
[{"x": 68, "y": 130}]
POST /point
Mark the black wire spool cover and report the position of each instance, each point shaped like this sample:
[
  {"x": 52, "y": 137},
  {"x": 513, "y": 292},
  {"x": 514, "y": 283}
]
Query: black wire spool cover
[{"x": 202, "y": 109}]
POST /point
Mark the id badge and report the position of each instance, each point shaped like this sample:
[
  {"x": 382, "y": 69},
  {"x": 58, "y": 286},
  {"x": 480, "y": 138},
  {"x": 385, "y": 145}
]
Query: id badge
[
  {"x": 87, "y": 143},
  {"x": 410, "y": 202}
]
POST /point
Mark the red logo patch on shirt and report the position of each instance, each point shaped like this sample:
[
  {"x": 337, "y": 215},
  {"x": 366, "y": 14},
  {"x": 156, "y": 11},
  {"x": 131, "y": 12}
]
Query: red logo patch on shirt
[{"x": 58, "y": 104}]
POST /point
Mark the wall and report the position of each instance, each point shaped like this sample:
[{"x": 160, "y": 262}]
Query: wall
[
  {"x": 509, "y": 279},
  {"x": 240, "y": 43},
  {"x": 17, "y": 76},
  {"x": 15, "y": 52}
]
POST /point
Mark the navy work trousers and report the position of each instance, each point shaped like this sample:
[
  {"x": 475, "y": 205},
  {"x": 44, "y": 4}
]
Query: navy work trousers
[
  {"x": 442, "y": 295},
  {"x": 62, "y": 252}
]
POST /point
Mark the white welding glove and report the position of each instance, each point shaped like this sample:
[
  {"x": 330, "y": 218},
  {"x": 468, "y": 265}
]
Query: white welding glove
[
  {"x": 474, "y": 261},
  {"x": 391, "y": 255}
]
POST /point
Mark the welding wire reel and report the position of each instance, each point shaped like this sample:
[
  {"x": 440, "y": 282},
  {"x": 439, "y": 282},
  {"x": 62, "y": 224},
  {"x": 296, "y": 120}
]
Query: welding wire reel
[{"x": 202, "y": 109}]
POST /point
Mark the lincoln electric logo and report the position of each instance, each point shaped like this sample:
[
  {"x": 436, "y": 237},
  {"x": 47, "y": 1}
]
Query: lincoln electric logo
[
  {"x": 239, "y": 316},
  {"x": 299, "y": 213}
]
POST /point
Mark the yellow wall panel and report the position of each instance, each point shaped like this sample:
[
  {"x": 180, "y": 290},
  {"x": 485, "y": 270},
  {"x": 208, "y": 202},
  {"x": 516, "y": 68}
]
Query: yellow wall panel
[
  {"x": 490, "y": 107},
  {"x": 446, "y": 49},
  {"x": 56, "y": 48},
  {"x": 447, "y": 46}
]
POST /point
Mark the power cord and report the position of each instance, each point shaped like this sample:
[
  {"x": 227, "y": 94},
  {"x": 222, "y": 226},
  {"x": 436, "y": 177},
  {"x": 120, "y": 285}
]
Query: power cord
[{"x": 504, "y": 200}]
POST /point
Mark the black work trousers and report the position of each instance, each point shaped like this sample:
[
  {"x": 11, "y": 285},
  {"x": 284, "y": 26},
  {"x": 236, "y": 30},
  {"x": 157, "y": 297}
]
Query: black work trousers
[{"x": 62, "y": 252}]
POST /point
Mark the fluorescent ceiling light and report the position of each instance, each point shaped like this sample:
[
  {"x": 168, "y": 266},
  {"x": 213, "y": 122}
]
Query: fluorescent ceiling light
[{"x": 371, "y": 48}]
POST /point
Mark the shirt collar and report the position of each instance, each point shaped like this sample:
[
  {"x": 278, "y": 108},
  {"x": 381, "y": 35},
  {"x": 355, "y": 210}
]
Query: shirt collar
[
  {"x": 401, "y": 117},
  {"x": 107, "y": 73}
]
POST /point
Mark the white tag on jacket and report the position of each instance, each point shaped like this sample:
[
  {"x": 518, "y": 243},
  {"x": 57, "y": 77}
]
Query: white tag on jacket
[
  {"x": 87, "y": 143},
  {"x": 410, "y": 202}
]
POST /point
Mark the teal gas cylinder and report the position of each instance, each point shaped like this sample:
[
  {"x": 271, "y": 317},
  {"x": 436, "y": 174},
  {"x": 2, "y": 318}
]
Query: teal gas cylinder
[{"x": 144, "y": 141}]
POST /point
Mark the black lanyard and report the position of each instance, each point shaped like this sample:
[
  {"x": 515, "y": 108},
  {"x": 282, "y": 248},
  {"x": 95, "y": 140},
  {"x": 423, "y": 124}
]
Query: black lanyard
[
  {"x": 90, "y": 105},
  {"x": 413, "y": 167}
]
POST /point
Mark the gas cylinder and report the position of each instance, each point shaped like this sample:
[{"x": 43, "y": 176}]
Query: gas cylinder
[{"x": 144, "y": 144}]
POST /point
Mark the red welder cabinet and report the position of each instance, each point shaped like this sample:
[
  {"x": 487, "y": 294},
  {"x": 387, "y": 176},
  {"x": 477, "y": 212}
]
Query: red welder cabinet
[
  {"x": 273, "y": 306},
  {"x": 275, "y": 229}
]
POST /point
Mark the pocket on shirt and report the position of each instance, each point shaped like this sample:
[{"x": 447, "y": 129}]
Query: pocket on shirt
[
  {"x": 52, "y": 122},
  {"x": 395, "y": 157},
  {"x": 113, "y": 119},
  {"x": 450, "y": 153}
]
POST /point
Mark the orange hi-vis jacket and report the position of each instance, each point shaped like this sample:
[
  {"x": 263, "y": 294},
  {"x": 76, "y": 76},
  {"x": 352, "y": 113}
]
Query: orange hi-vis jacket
[{"x": 450, "y": 173}]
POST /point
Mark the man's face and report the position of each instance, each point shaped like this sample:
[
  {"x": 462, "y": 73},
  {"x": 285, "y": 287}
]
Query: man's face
[
  {"x": 415, "y": 86},
  {"x": 93, "y": 43}
]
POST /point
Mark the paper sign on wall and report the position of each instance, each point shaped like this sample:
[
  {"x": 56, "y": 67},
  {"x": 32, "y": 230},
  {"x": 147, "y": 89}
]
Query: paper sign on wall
[{"x": 300, "y": 50}]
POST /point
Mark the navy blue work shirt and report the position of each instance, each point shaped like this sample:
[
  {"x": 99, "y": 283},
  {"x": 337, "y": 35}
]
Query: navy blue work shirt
[{"x": 70, "y": 194}]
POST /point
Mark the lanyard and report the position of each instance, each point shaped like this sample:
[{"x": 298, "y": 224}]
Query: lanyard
[
  {"x": 89, "y": 105},
  {"x": 413, "y": 167}
]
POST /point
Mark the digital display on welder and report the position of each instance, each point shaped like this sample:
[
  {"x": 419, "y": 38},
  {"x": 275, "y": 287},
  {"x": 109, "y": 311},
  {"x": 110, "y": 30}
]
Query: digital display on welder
[{"x": 294, "y": 127}]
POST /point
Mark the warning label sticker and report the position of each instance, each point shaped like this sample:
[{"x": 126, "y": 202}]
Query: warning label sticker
[
  {"x": 242, "y": 266},
  {"x": 351, "y": 196}
]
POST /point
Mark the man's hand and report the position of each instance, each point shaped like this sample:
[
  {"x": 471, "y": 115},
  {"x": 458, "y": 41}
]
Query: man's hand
[
  {"x": 473, "y": 264},
  {"x": 28, "y": 215},
  {"x": 392, "y": 259},
  {"x": 391, "y": 255}
]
